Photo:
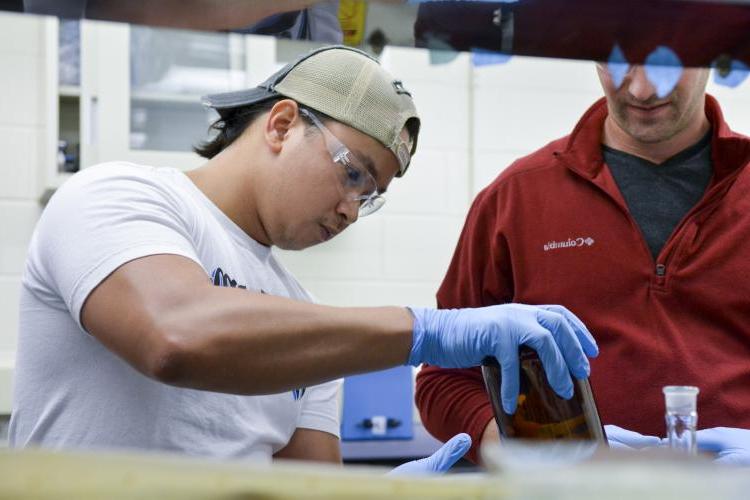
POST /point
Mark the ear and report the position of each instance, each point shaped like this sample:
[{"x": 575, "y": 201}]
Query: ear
[{"x": 282, "y": 117}]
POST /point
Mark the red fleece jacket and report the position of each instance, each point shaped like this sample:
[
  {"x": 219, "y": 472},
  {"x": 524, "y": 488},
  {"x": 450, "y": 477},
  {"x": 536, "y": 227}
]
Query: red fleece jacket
[{"x": 553, "y": 228}]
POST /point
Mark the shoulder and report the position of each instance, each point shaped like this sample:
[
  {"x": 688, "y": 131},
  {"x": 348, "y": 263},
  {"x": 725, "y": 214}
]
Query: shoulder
[
  {"x": 114, "y": 181},
  {"x": 527, "y": 171},
  {"x": 534, "y": 164},
  {"x": 116, "y": 170},
  {"x": 104, "y": 195}
]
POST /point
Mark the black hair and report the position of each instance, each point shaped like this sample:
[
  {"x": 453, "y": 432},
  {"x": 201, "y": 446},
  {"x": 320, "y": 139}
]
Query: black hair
[
  {"x": 236, "y": 120},
  {"x": 231, "y": 125},
  {"x": 412, "y": 127}
]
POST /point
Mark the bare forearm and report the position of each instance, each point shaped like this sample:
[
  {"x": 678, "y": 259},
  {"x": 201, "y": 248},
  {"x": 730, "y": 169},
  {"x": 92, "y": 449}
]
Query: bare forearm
[
  {"x": 164, "y": 317},
  {"x": 246, "y": 343},
  {"x": 312, "y": 445},
  {"x": 195, "y": 14}
]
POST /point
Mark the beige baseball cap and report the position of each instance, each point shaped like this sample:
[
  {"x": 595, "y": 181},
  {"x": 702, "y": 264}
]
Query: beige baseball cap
[{"x": 346, "y": 84}]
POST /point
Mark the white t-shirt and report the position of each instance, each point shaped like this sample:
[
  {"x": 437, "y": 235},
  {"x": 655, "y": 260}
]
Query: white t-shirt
[{"x": 71, "y": 392}]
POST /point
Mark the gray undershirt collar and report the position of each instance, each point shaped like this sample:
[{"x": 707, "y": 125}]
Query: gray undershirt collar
[{"x": 660, "y": 195}]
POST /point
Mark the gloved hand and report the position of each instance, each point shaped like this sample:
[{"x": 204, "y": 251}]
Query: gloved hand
[
  {"x": 440, "y": 461},
  {"x": 462, "y": 338},
  {"x": 731, "y": 445},
  {"x": 620, "y": 438}
]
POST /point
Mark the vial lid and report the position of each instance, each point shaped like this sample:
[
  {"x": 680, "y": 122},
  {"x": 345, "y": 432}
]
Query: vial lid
[{"x": 680, "y": 398}]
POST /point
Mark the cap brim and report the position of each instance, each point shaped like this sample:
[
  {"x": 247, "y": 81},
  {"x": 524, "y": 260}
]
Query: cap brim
[{"x": 237, "y": 98}]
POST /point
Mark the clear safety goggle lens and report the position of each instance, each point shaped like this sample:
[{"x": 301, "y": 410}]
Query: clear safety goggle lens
[
  {"x": 356, "y": 181},
  {"x": 371, "y": 205}
]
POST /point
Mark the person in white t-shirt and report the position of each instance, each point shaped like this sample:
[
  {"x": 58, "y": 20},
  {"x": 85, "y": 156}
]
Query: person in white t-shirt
[{"x": 154, "y": 315}]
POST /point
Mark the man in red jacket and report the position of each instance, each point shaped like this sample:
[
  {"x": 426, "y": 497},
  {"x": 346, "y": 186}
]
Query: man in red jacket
[{"x": 637, "y": 223}]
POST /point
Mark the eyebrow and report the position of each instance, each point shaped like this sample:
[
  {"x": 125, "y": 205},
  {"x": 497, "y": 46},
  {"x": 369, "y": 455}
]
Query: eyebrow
[{"x": 370, "y": 166}]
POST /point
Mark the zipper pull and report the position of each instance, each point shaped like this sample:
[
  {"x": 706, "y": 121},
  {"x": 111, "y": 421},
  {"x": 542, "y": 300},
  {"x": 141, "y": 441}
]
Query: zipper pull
[{"x": 661, "y": 270}]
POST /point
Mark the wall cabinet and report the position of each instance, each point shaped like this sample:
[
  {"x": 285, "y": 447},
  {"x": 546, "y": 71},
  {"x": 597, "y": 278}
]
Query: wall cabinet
[{"x": 132, "y": 93}]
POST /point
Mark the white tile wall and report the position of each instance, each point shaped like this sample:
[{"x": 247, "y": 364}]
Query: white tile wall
[
  {"x": 522, "y": 105},
  {"x": 9, "y": 291},
  {"x": 17, "y": 219},
  {"x": 443, "y": 110},
  {"x": 21, "y": 156},
  {"x": 525, "y": 73},
  {"x": 489, "y": 163},
  {"x": 374, "y": 293},
  {"x": 22, "y": 122},
  {"x": 420, "y": 248},
  {"x": 735, "y": 104},
  {"x": 526, "y": 119},
  {"x": 20, "y": 34},
  {"x": 21, "y": 87},
  {"x": 411, "y": 65},
  {"x": 435, "y": 184},
  {"x": 357, "y": 254}
]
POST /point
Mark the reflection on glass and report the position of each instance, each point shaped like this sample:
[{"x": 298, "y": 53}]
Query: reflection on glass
[
  {"x": 319, "y": 22},
  {"x": 590, "y": 29},
  {"x": 731, "y": 73},
  {"x": 69, "y": 134},
  {"x": 69, "y": 95},
  {"x": 169, "y": 71},
  {"x": 69, "y": 39},
  {"x": 664, "y": 70}
]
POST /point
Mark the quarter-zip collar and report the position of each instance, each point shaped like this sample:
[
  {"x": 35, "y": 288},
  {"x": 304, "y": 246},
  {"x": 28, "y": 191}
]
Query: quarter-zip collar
[{"x": 730, "y": 151}]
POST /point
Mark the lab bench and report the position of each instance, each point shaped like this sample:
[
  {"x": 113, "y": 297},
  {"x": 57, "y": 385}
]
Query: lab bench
[{"x": 34, "y": 474}]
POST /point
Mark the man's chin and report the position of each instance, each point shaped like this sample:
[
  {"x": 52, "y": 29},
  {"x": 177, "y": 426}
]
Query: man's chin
[
  {"x": 294, "y": 245},
  {"x": 649, "y": 134}
]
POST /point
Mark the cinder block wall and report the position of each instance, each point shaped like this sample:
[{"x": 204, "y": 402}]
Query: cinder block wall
[{"x": 22, "y": 124}]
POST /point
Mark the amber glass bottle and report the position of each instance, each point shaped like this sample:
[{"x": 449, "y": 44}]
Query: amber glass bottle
[{"x": 541, "y": 413}]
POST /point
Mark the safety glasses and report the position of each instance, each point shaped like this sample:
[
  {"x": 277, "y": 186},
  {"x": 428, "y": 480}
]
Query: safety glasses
[{"x": 356, "y": 182}]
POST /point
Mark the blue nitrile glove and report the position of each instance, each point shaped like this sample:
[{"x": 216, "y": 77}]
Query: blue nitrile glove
[
  {"x": 462, "y": 338},
  {"x": 440, "y": 461},
  {"x": 731, "y": 445},
  {"x": 620, "y": 438}
]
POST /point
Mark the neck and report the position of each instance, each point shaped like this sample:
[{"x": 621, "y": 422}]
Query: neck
[
  {"x": 655, "y": 152},
  {"x": 225, "y": 181}
]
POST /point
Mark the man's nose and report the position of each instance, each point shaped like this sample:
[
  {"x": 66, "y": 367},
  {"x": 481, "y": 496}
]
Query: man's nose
[
  {"x": 639, "y": 86},
  {"x": 349, "y": 211}
]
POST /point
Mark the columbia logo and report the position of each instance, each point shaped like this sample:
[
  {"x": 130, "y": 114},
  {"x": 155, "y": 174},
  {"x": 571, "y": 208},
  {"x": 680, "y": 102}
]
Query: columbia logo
[{"x": 569, "y": 243}]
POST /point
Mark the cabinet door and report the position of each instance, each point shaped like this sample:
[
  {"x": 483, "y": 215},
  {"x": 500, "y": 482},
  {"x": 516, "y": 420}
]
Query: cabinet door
[
  {"x": 150, "y": 81},
  {"x": 62, "y": 101},
  {"x": 71, "y": 99}
]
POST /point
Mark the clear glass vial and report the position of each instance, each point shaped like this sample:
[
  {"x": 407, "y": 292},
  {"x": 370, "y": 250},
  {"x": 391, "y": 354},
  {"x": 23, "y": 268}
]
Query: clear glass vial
[{"x": 681, "y": 417}]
